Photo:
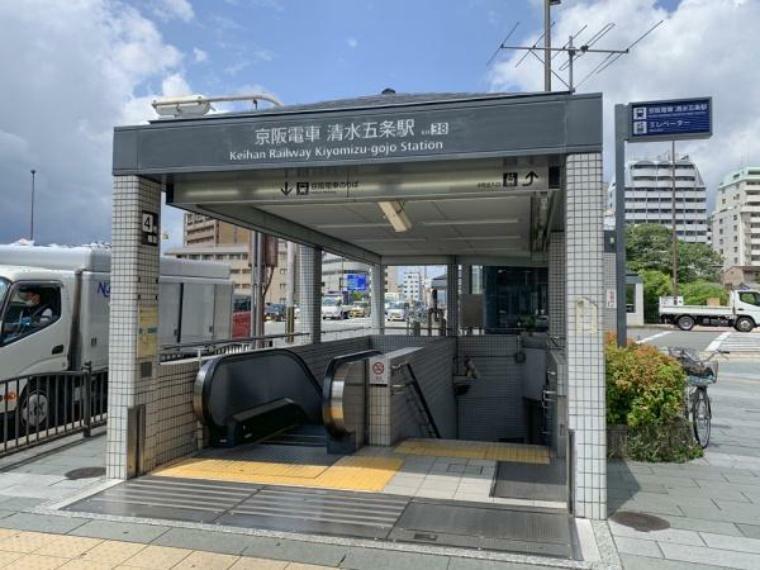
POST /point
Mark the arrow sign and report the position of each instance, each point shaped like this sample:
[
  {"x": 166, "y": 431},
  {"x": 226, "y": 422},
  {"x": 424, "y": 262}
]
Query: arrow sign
[
  {"x": 530, "y": 177},
  {"x": 287, "y": 189}
]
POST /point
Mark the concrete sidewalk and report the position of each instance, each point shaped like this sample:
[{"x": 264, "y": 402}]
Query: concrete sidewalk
[{"x": 711, "y": 505}]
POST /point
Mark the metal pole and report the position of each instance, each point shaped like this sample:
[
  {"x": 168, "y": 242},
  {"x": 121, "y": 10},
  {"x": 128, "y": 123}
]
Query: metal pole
[
  {"x": 675, "y": 233},
  {"x": 570, "y": 56},
  {"x": 260, "y": 279},
  {"x": 31, "y": 221},
  {"x": 621, "y": 134},
  {"x": 252, "y": 252},
  {"x": 547, "y": 46},
  {"x": 290, "y": 312}
]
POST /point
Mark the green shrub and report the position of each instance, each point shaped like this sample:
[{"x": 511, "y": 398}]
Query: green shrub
[
  {"x": 698, "y": 292},
  {"x": 656, "y": 284},
  {"x": 645, "y": 392}
]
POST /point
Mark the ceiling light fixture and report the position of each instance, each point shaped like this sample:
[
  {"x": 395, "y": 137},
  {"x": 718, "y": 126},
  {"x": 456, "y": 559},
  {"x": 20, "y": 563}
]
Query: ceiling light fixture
[
  {"x": 394, "y": 213},
  {"x": 480, "y": 238},
  {"x": 470, "y": 222}
]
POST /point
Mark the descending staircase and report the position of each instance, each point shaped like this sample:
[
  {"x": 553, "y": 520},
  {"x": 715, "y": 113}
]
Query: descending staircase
[{"x": 305, "y": 435}]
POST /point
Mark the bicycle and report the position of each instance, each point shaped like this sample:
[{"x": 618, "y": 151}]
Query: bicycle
[{"x": 700, "y": 373}]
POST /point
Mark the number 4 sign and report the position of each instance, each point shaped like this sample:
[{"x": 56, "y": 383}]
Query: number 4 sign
[{"x": 149, "y": 229}]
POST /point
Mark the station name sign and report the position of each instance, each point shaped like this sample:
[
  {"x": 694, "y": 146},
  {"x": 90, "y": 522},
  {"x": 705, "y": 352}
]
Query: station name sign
[
  {"x": 331, "y": 140},
  {"x": 669, "y": 120},
  {"x": 487, "y": 128}
]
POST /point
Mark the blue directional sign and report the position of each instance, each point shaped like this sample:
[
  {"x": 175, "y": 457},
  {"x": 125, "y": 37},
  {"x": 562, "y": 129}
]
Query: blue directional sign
[
  {"x": 356, "y": 281},
  {"x": 669, "y": 120}
]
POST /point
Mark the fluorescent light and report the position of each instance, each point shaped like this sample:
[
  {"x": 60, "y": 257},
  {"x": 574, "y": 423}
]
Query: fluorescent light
[
  {"x": 470, "y": 222},
  {"x": 479, "y": 238},
  {"x": 394, "y": 240},
  {"x": 349, "y": 226},
  {"x": 394, "y": 213}
]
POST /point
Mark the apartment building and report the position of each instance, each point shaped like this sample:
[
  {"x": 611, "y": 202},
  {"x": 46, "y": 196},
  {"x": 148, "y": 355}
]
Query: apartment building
[
  {"x": 649, "y": 196},
  {"x": 209, "y": 239},
  {"x": 736, "y": 219}
]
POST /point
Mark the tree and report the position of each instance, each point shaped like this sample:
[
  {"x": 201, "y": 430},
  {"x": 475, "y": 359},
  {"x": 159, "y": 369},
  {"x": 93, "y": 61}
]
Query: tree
[
  {"x": 698, "y": 261},
  {"x": 656, "y": 284},
  {"x": 650, "y": 247},
  {"x": 698, "y": 292}
]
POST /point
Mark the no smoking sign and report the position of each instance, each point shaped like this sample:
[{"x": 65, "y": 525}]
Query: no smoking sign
[{"x": 378, "y": 368}]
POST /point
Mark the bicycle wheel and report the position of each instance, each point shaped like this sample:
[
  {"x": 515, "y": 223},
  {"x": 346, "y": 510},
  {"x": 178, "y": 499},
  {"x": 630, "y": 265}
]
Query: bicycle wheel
[{"x": 701, "y": 417}]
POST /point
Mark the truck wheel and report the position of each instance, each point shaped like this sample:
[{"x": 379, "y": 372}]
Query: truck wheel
[
  {"x": 685, "y": 323},
  {"x": 744, "y": 324},
  {"x": 35, "y": 408}
]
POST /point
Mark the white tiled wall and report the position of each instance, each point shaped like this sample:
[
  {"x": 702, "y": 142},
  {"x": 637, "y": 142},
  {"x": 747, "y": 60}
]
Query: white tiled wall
[
  {"x": 557, "y": 278},
  {"x": 584, "y": 308},
  {"x": 310, "y": 290},
  {"x": 134, "y": 287}
]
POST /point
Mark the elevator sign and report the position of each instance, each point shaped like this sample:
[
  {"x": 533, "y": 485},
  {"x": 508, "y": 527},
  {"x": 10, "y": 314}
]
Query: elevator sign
[{"x": 669, "y": 120}]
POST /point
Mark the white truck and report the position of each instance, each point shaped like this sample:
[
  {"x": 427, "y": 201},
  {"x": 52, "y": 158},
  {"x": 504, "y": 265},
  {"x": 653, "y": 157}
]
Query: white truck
[
  {"x": 333, "y": 307},
  {"x": 54, "y": 310},
  {"x": 742, "y": 312}
]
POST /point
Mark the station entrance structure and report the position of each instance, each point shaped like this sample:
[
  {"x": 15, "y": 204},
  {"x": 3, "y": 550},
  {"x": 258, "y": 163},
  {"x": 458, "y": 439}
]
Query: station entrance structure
[{"x": 444, "y": 179}]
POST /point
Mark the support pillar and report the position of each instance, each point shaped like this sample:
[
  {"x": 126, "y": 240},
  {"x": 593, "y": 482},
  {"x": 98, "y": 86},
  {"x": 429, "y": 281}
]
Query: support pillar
[
  {"x": 557, "y": 285},
  {"x": 310, "y": 293},
  {"x": 133, "y": 327},
  {"x": 377, "y": 293},
  {"x": 584, "y": 349},
  {"x": 452, "y": 299},
  {"x": 466, "y": 279}
]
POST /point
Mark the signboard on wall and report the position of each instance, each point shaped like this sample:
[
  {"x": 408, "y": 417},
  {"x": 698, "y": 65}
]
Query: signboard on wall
[
  {"x": 149, "y": 228},
  {"x": 356, "y": 281},
  {"x": 147, "y": 332},
  {"x": 669, "y": 120}
]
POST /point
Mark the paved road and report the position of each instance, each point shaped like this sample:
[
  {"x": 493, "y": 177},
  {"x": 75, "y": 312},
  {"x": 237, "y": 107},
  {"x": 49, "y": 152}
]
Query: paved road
[
  {"x": 712, "y": 505},
  {"x": 702, "y": 338}
]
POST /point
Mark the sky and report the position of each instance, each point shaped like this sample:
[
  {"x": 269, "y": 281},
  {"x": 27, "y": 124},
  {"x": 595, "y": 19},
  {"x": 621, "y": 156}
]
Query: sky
[{"x": 73, "y": 70}]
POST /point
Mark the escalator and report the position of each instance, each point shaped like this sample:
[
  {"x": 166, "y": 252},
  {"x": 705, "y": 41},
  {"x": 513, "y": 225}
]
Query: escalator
[{"x": 272, "y": 397}]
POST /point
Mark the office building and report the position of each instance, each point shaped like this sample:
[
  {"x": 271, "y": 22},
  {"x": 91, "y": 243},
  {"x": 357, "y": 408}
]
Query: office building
[
  {"x": 736, "y": 219},
  {"x": 649, "y": 196},
  {"x": 209, "y": 239}
]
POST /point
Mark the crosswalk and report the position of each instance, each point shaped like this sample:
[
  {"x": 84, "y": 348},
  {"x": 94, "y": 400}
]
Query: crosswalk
[{"x": 736, "y": 342}]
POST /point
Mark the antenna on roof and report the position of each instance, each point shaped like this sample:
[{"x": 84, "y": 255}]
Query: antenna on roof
[{"x": 574, "y": 52}]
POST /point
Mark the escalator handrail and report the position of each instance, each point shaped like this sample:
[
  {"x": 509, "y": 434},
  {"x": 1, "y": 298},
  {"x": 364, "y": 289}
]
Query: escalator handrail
[
  {"x": 204, "y": 379},
  {"x": 333, "y": 424},
  {"x": 421, "y": 396}
]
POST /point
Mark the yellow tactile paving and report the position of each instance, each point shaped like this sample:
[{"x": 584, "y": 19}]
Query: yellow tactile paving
[
  {"x": 119, "y": 555},
  {"x": 353, "y": 473},
  {"x": 157, "y": 558},
  {"x": 67, "y": 546},
  {"x": 475, "y": 450},
  {"x": 207, "y": 561},
  {"x": 112, "y": 552},
  {"x": 37, "y": 562}
]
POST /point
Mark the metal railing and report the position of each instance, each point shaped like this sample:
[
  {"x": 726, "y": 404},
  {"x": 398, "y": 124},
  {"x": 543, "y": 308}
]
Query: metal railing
[
  {"x": 203, "y": 349},
  {"x": 38, "y": 408},
  {"x": 206, "y": 348}
]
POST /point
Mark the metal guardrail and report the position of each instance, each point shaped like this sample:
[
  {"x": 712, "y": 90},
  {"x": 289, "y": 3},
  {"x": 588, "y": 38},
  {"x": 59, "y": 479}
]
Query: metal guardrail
[
  {"x": 202, "y": 349},
  {"x": 38, "y": 408}
]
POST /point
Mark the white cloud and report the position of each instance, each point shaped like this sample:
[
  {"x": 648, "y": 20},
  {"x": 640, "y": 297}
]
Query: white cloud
[
  {"x": 704, "y": 47},
  {"x": 173, "y": 9},
  {"x": 352, "y": 42},
  {"x": 75, "y": 73},
  {"x": 200, "y": 55}
]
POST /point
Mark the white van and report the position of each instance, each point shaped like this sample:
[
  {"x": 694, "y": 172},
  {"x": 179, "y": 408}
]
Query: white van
[{"x": 54, "y": 309}]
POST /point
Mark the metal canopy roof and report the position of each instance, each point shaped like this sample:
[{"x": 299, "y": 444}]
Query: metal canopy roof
[{"x": 478, "y": 177}]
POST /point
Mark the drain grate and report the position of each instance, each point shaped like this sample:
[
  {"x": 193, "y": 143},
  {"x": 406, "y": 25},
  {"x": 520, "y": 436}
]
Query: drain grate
[
  {"x": 640, "y": 521},
  {"x": 86, "y": 473}
]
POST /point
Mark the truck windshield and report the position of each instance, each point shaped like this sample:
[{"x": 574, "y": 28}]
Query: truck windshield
[
  {"x": 750, "y": 297},
  {"x": 4, "y": 284},
  {"x": 330, "y": 301}
]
